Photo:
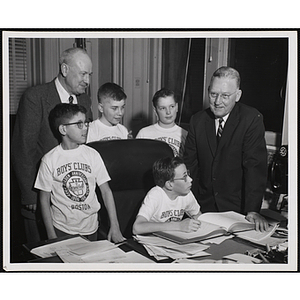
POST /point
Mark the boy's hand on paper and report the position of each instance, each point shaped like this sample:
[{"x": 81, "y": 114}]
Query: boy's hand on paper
[
  {"x": 189, "y": 225},
  {"x": 115, "y": 235},
  {"x": 261, "y": 223}
]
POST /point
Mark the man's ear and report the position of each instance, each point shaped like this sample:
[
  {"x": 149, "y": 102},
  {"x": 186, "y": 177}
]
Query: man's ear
[
  {"x": 62, "y": 129},
  {"x": 64, "y": 69},
  {"x": 238, "y": 95}
]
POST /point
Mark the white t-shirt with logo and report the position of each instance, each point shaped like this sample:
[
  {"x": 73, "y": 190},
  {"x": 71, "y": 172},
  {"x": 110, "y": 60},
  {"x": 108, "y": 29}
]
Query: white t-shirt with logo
[
  {"x": 174, "y": 136},
  {"x": 100, "y": 131},
  {"x": 71, "y": 177},
  {"x": 158, "y": 207}
]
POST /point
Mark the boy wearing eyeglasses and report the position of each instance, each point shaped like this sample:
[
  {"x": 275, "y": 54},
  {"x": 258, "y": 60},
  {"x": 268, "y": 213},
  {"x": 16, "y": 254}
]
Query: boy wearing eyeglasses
[
  {"x": 165, "y": 204},
  {"x": 67, "y": 179}
]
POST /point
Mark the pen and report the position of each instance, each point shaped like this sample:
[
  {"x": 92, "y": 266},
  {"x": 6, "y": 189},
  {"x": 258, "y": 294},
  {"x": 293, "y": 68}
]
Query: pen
[{"x": 189, "y": 215}]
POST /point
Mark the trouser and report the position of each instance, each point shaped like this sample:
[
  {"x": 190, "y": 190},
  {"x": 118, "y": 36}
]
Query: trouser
[{"x": 33, "y": 225}]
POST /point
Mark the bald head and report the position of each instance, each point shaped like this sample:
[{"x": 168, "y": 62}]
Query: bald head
[
  {"x": 70, "y": 54},
  {"x": 75, "y": 70},
  {"x": 227, "y": 72}
]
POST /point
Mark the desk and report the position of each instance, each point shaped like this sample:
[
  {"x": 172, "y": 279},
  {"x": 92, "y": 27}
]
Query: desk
[{"x": 216, "y": 251}]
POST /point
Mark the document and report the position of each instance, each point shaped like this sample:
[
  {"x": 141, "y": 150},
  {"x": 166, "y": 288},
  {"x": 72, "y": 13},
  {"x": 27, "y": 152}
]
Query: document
[
  {"x": 49, "y": 250},
  {"x": 214, "y": 225},
  {"x": 162, "y": 249}
]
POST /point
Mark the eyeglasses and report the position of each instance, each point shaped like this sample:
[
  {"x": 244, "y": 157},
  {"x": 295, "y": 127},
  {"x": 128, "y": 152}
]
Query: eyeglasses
[
  {"x": 79, "y": 124},
  {"x": 223, "y": 96},
  {"x": 184, "y": 177}
]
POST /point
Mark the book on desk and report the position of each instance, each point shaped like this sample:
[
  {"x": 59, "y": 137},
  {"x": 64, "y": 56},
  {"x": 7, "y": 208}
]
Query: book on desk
[{"x": 218, "y": 224}]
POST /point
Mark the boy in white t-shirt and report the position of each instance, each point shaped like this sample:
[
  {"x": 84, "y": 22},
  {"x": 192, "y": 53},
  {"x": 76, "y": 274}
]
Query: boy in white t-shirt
[
  {"x": 111, "y": 98},
  {"x": 67, "y": 179},
  {"x": 165, "y": 204},
  {"x": 165, "y": 106}
]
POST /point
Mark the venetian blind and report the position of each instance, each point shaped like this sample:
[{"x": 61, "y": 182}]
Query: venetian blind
[{"x": 17, "y": 72}]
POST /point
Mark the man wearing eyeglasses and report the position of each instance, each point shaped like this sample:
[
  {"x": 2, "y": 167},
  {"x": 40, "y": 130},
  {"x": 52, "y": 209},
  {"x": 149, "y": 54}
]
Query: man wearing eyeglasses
[
  {"x": 32, "y": 137},
  {"x": 226, "y": 152}
]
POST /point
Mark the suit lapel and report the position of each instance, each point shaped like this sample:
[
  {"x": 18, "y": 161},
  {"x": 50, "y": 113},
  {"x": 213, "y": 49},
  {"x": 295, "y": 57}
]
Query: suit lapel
[{"x": 52, "y": 96}]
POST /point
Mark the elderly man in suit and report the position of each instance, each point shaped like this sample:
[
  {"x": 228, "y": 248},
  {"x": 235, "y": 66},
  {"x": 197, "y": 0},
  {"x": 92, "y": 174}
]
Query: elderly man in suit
[
  {"x": 226, "y": 152},
  {"x": 32, "y": 136}
]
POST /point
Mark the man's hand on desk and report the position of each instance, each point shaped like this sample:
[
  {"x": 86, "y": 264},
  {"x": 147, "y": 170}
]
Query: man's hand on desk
[
  {"x": 115, "y": 235},
  {"x": 261, "y": 223}
]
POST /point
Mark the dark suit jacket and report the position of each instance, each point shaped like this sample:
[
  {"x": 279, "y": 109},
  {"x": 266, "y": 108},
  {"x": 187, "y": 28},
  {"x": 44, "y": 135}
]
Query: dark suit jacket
[
  {"x": 233, "y": 175},
  {"x": 32, "y": 137}
]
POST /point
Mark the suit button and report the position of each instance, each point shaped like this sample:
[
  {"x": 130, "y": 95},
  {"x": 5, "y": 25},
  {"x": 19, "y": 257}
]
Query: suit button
[
  {"x": 214, "y": 178},
  {"x": 216, "y": 193}
]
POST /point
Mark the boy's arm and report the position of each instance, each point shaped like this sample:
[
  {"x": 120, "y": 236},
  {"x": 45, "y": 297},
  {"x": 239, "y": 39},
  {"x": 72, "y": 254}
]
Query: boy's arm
[
  {"x": 46, "y": 214},
  {"x": 142, "y": 225},
  {"x": 197, "y": 215},
  {"x": 114, "y": 233}
]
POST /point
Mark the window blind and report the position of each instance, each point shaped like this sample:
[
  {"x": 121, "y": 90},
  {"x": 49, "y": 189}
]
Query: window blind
[{"x": 17, "y": 72}]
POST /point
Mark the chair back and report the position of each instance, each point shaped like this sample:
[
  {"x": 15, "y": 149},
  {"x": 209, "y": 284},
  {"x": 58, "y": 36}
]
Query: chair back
[{"x": 129, "y": 164}]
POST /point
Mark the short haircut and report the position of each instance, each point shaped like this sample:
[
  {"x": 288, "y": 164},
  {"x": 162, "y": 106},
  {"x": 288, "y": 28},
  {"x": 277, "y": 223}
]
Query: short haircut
[
  {"x": 164, "y": 169},
  {"x": 111, "y": 90},
  {"x": 61, "y": 114},
  {"x": 163, "y": 93},
  {"x": 68, "y": 55},
  {"x": 227, "y": 72}
]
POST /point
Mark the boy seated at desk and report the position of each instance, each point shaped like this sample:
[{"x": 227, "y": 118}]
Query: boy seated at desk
[
  {"x": 165, "y": 204},
  {"x": 67, "y": 179}
]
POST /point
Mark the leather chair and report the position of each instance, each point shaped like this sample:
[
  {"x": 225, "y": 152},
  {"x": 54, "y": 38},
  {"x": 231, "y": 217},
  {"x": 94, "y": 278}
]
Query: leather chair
[{"x": 129, "y": 164}]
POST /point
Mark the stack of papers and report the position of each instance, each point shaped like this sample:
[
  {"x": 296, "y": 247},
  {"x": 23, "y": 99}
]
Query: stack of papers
[
  {"x": 162, "y": 249},
  {"x": 49, "y": 250},
  {"x": 81, "y": 250},
  {"x": 92, "y": 252}
]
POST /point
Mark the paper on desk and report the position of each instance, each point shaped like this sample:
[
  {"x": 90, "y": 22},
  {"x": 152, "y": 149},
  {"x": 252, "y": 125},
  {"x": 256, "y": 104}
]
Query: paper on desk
[
  {"x": 98, "y": 251},
  {"x": 163, "y": 253},
  {"x": 257, "y": 236},
  {"x": 190, "y": 248},
  {"x": 90, "y": 248},
  {"x": 217, "y": 240},
  {"x": 109, "y": 256},
  {"x": 134, "y": 257},
  {"x": 51, "y": 249}
]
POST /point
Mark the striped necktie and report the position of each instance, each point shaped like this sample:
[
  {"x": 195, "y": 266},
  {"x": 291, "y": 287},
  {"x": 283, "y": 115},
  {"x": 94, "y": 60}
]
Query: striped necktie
[
  {"x": 71, "y": 99},
  {"x": 220, "y": 129}
]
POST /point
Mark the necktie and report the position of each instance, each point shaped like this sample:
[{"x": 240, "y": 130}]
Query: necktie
[
  {"x": 71, "y": 99},
  {"x": 220, "y": 129}
]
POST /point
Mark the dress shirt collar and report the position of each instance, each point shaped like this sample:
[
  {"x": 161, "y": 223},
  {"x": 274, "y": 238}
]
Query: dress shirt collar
[
  {"x": 63, "y": 94},
  {"x": 217, "y": 122}
]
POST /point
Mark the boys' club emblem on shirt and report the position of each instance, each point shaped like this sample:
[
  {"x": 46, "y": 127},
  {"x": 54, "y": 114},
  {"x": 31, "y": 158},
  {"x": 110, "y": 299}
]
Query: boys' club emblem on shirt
[
  {"x": 76, "y": 187},
  {"x": 174, "y": 150}
]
